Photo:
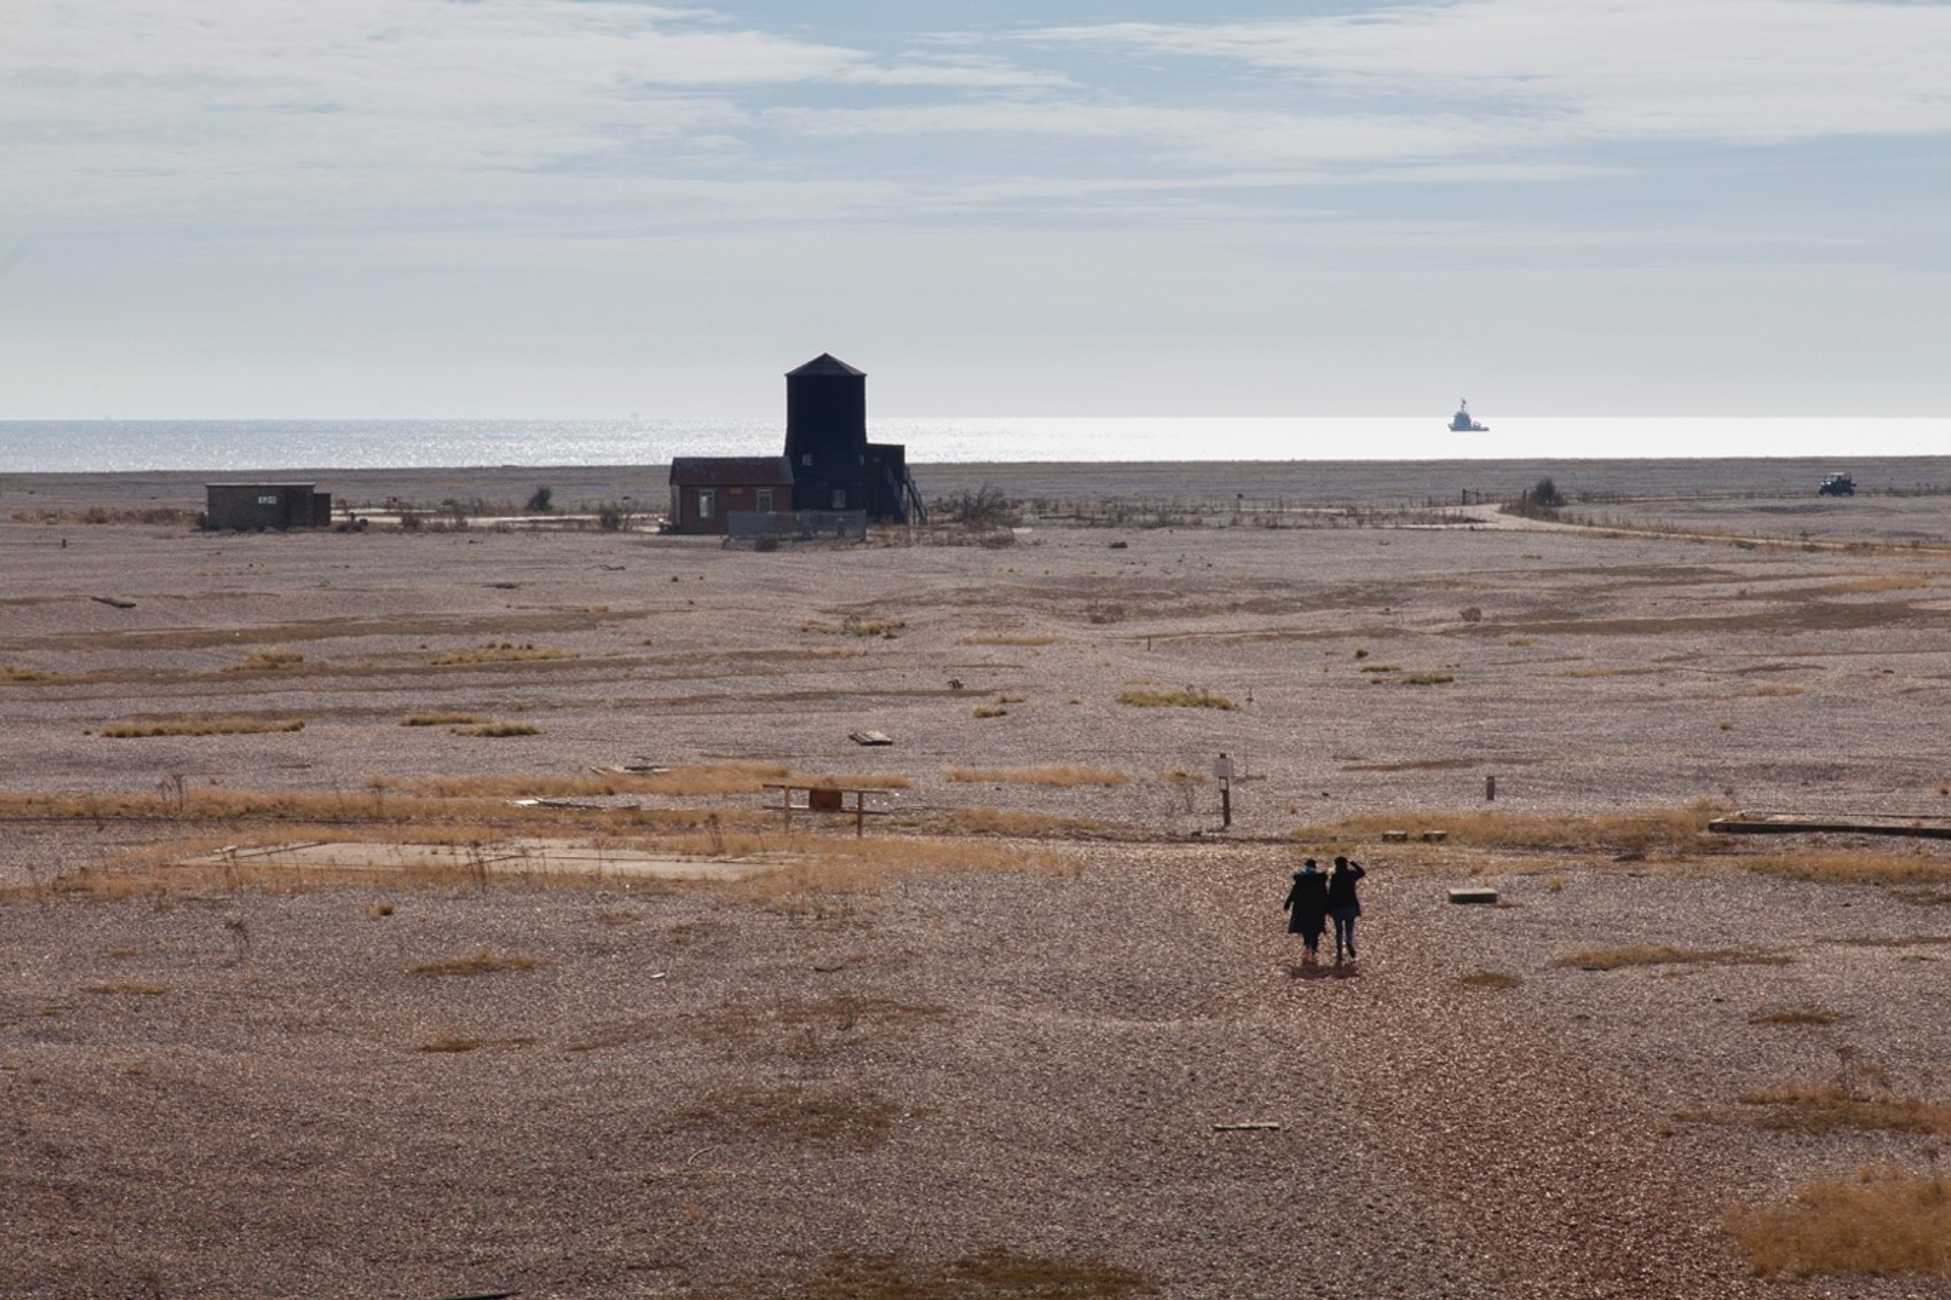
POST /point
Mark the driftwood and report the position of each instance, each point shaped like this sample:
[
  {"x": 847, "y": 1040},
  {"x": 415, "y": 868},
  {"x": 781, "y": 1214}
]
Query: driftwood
[{"x": 116, "y": 601}]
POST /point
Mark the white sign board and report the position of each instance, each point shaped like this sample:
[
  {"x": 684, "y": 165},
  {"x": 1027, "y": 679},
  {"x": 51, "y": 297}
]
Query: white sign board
[{"x": 1222, "y": 768}]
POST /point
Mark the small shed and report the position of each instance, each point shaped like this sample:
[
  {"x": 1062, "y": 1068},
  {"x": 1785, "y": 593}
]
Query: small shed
[
  {"x": 247, "y": 506},
  {"x": 705, "y": 490}
]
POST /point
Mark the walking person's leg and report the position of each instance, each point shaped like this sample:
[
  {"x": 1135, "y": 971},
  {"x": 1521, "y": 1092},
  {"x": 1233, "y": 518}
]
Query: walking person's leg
[
  {"x": 1341, "y": 929},
  {"x": 1351, "y": 937}
]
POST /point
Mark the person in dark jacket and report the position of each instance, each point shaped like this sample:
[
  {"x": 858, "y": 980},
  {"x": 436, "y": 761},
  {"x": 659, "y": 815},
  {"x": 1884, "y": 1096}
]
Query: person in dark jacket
[
  {"x": 1307, "y": 907},
  {"x": 1343, "y": 905}
]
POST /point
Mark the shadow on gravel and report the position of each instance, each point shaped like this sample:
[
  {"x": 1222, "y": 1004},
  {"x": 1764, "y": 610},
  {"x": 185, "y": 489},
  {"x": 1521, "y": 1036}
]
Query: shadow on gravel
[{"x": 1351, "y": 970}]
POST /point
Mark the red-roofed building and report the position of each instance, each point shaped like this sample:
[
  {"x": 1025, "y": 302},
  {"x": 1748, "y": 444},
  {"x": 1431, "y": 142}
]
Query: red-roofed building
[{"x": 706, "y": 489}]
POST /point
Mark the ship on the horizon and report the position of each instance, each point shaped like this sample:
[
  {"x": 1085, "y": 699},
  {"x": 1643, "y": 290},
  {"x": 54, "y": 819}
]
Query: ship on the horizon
[{"x": 1464, "y": 422}]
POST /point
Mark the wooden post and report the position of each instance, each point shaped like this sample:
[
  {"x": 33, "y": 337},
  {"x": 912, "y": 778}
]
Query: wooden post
[
  {"x": 860, "y": 813},
  {"x": 1223, "y": 773},
  {"x": 1490, "y": 789}
]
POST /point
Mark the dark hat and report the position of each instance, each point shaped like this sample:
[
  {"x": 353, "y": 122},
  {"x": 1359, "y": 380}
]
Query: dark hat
[{"x": 1341, "y": 862}]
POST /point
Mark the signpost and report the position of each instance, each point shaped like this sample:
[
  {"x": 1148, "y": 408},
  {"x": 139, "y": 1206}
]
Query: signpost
[{"x": 1223, "y": 773}]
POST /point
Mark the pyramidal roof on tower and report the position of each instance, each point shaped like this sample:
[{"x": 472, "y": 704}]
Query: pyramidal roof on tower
[{"x": 826, "y": 364}]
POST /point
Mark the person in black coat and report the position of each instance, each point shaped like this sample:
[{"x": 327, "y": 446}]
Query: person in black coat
[
  {"x": 1307, "y": 908},
  {"x": 1343, "y": 905}
]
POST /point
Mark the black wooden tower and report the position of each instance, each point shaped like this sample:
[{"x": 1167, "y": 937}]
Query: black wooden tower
[{"x": 834, "y": 466}]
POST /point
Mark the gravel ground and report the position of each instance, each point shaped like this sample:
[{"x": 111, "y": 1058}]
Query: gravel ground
[
  {"x": 1584, "y": 672},
  {"x": 1029, "y": 1063},
  {"x": 1023, "y": 1062}
]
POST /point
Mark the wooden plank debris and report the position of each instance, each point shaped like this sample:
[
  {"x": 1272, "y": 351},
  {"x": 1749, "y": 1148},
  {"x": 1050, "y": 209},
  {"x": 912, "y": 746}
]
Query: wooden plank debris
[
  {"x": 870, "y": 738},
  {"x": 1249, "y": 1126},
  {"x": 1474, "y": 894},
  {"x": 116, "y": 601},
  {"x": 1747, "y": 823}
]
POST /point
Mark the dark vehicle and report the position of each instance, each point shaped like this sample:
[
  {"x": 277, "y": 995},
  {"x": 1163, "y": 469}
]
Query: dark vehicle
[{"x": 1836, "y": 485}]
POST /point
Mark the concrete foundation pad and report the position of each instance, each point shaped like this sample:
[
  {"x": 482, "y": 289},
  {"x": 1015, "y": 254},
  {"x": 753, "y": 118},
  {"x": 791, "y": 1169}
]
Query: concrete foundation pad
[
  {"x": 519, "y": 857},
  {"x": 1480, "y": 895}
]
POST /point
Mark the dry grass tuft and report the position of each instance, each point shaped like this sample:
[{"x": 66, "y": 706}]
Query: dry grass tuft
[
  {"x": 269, "y": 661},
  {"x": 1885, "y": 1223},
  {"x": 129, "y": 988},
  {"x": 203, "y": 726},
  {"x": 479, "y": 962},
  {"x": 857, "y": 781},
  {"x": 991, "y": 1275},
  {"x": 1887, "y": 582},
  {"x": 1008, "y": 638},
  {"x": 25, "y": 676},
  {"x": 499, "y": 730},
  {"x": 1180, "y": 777},
  {"x": 999, "y": 821},
  {"x": 503, "y": 652},
  {"x": 1186, "y": 698},
  {"x": 1863, "y": 867},
  {"x": 989, "y": 711},
  {"x": 1796, "y": 1016},
  {"x": 1777, "y": 691},
  {"x": 1062, "y": 777},
  {"x": 453, "y": 1043},
  {"x": 795, "y": 1114},
  {"x": 1490, "y": 979},
  {"x": 1682, "y": 829},
  {"x": 1618, "y": 958},
  {"x": 851, "y": 626},
  {"x": 1837, "y": 1108},
  {"x": 678, "y": 782},
  {"x": 1425, "y": 679},
  {"x": 440, "y": 720}
]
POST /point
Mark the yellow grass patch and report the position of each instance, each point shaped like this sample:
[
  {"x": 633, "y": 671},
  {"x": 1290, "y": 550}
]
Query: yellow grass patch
[
  {"x": 1064, "y": 777},
  {"x": 678, "y": 782},
  {"x": 200, "y": 727},
  {"x": 1010, "y": 638},
  {"x": 1867, "y": 867},
  {"x": 440, "y": 720},
  {"x": 479, "y": 962},
  {"x": 500, "y": 730},
  {"x": 1185, "y": 698},
  {"x": 1884, "y": 1223},
  {"x": 1425, "y": 679},
  {"x": 989, "y": 711},
  {"x": 1831, "y": 1108},
  {"x": 1639, "y": 954},
  {"x": 1777, "y": 691}
]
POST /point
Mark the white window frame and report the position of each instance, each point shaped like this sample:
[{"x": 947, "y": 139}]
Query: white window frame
[
  {"x": 707, "y": 502},
  {"x": 764, "y": 504}
]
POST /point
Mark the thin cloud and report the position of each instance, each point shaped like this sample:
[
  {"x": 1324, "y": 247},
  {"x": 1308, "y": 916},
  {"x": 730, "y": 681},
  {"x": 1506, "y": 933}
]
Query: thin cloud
[{"x": 1735, "y": 70}]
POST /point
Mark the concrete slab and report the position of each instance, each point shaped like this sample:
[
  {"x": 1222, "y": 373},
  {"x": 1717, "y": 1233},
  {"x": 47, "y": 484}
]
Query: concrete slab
[
  {"x": 1474, "y": 895},
  {"x": 519, "y": 857}
]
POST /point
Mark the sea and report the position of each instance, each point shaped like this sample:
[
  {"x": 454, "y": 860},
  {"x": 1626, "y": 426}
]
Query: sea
[{"x": 129, "y": 446}]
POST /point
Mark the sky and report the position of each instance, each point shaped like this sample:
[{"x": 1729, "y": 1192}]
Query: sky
[{"x": 593, "y": 208}]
